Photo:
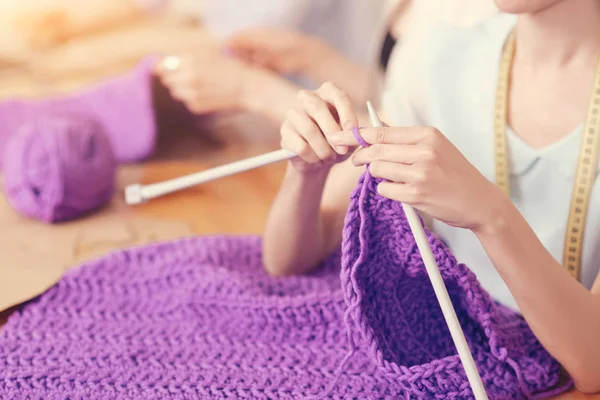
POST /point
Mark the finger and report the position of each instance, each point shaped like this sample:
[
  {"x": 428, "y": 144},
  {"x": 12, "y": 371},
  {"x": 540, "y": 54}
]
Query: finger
[
  {"x": 185, "y": 94},
  {"x": 292, "y": 140},
  {"x": 181, "y": 77},
  {"x": 343, "y": 106},
  {"x": 262, "y": 59},
  {"x": 383, "y": 135},
  {"x": 342, "y": 103},
  {"x": 207, "y": 102},
  {"x": 250, "y": 39},
  {"x": 244, "y": 37},
  {"x": 402, "y": 192},
  {"x": 394, "y": 172},
  {"x": 398, "y": 153},
  {"x": 178, "y": 78},
  {"x": 309, "y": 130},
  {"x": 319, "y": 111}
]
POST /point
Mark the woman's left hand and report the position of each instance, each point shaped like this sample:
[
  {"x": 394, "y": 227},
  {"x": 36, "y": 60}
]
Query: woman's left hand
[{"x": 423, "y": 169}]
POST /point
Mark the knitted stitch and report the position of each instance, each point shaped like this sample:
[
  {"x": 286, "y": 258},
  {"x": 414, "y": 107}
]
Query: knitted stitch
[
  {"x": 122, "y": 106},
  {"x": 199, "y": 318}
]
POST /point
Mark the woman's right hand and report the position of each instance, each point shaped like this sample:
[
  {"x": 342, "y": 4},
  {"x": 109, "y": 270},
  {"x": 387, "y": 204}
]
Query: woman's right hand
[{"x": 316, "y": 116}]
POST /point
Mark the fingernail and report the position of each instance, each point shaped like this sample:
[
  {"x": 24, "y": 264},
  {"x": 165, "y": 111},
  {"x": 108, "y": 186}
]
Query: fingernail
[
  {"x": 341, "y": 149},
  {"x": 335, "y": 137}
]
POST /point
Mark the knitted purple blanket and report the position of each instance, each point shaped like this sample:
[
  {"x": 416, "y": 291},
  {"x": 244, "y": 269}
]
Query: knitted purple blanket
[{"x": 199, "y": 319}]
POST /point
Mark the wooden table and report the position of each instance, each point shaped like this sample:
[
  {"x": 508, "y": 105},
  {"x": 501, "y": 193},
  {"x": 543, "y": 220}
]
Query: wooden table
[{"x": 35, "y": 255}]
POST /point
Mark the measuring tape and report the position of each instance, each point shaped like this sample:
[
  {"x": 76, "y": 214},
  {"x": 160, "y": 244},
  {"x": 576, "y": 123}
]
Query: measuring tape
[{"x": 586, "y": 166}]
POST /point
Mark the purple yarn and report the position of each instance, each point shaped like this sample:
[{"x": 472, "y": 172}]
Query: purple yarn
[
  {"x": 122, "y": 105},
  {"x": 362, "y": 142},
  {"x": 58, "y": 168},
  {"x": 199, "y": 318}
]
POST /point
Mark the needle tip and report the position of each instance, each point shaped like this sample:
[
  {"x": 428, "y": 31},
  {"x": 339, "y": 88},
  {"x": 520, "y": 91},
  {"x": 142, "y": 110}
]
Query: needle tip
[
  {"x": 133, "y": 194},
  {"x": 375, "y": 121}
]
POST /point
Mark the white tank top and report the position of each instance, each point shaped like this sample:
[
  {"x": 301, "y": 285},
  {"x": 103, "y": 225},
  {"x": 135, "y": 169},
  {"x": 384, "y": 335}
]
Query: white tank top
[{"x": 452, "y": 87}]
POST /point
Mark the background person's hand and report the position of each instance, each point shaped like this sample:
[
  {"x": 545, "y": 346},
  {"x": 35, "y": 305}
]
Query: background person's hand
[
  {"x": 206, "y": 83},
  {"x": 284, "y": 51}
]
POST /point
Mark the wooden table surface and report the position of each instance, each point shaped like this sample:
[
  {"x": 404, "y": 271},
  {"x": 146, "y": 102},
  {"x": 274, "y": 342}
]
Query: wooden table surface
[{"x": 35, "y": 255}]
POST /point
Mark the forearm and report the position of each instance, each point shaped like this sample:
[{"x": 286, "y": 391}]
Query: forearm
[
  {"x": 268, "y": 94},
  {"x": 294, "y": 238},
  {"x": 327, "y": 64},
  {"x": 562, "y": 313}
]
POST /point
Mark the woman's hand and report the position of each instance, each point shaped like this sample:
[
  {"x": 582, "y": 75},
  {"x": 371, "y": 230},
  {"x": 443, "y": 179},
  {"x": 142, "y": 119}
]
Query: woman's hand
[
  {"x": 316, "y": 116},
  {"x": 284, "y": 51},
  {"x": 423, "y": 169},
  {"x": 207, "y": 83}
]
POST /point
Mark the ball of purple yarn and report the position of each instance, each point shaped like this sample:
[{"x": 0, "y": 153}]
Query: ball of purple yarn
[{"x": 59, "y": 168}]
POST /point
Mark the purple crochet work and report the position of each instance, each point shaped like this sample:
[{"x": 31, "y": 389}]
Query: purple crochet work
[
  {"x": 199, "y": 318},
  {"x": 122, "y": 106}
]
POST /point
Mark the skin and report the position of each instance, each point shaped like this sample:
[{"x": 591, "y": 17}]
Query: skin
[
  {"x": 249, "y": 74},
  {"x": 213, "y": 82},
  {"x": 425, "y": 170},
  {"x": 244, "y": 75}
]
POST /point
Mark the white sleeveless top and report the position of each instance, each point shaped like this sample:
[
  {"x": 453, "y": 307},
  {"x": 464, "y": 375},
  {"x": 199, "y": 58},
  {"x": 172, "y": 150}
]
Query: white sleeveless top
[{"x": 452, "y": 87}]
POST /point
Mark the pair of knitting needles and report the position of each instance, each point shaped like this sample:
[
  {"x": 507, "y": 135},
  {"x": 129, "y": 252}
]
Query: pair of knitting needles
[{"x": 135, "y": 194}]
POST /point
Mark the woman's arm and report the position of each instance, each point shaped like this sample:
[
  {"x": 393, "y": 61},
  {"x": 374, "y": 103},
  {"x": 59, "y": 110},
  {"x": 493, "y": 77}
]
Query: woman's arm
[
  {"x": 563, "y": 314},
  {"x": 268, "y": 94},
  {"x": 306, "y": 220},
  {"x": 291, "y": 52},
  {"x": 425, "y": 170},
  {"x": 328, "y": 64}
]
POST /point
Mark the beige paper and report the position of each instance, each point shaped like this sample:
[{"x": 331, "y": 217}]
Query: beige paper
[{"x": 34, "y": 255}]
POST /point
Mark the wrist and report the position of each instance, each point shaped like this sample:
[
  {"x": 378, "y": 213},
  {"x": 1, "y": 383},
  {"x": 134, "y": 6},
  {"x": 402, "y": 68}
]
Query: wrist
[{"x": 307, "y": 176}]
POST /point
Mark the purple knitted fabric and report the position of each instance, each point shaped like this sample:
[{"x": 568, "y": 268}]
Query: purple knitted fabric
[
  {"x": 122, "y": 105},
  {"x": 199, "y": 318},
  {"x": 59, "y": 168}
]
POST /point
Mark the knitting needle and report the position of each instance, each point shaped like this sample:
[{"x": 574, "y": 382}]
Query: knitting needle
[
  {"x": 137, "y": 193},
  {"x": 440, "y": 290}
]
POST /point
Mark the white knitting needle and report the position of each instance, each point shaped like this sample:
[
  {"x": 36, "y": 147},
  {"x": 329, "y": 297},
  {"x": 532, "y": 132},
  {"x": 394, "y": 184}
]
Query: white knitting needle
[
  {"x": 440, "y": 290},
  {"x": 137, "y": 193}
]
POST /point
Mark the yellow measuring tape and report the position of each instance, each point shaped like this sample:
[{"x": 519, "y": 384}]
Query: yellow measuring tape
[{"x": 586, "y": 167}]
